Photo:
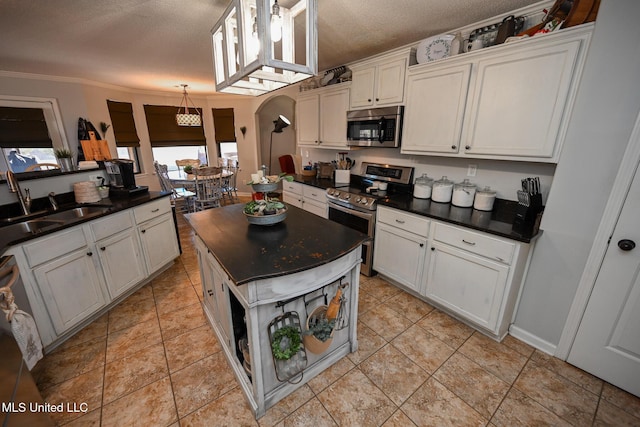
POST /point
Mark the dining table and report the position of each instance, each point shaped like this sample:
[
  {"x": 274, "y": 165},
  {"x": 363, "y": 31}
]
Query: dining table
[{"x": 179, "y": 178}]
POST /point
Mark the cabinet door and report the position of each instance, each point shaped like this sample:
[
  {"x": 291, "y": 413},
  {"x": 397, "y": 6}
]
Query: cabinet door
[
  {"x": 221, "y": 297},
  {"x": 470, "y": 285},
  {"x": 434, "y": 110},
  {"x": 121, "y": 261},
  {"x": 400, "y": 256},
  {"x": 159, "y": 242},
  {"x": 390, "y": 83},
  {"x": 333, "y": 112},
  {"x": 315, "y": 207},
  {"x": 292, "y": 199},
  {"x": 70, "y": 288},
  {"x": 308, "y": 117},
  {"x": 518, "y": 103},
  {"x": 362, "y": 87}
]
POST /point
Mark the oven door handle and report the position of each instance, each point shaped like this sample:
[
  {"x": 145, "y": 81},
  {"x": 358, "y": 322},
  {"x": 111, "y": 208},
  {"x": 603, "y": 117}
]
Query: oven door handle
[{"x": 359, "y": 214}]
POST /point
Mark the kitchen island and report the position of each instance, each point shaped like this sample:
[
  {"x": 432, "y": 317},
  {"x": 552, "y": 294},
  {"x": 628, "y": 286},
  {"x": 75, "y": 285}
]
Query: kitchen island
[{"x": 258, "y": 279}]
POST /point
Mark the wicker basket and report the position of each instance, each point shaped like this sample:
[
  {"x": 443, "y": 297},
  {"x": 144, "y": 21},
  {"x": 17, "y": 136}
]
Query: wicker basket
[{"x": 311, "y": 343}]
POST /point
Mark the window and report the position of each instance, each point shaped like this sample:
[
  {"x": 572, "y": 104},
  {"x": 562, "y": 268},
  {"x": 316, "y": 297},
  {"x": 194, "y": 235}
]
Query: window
[
  {"x": 170, "y": 142},
  {"x": 30, "y": 128},
  {"x": 124, "y": 129},
  {"x": 224, "y": 124}
]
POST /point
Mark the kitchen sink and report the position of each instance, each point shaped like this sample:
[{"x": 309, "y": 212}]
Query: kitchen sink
[
  {"x": 79, "y": 212},
  {"x": 37, "y": 225}
]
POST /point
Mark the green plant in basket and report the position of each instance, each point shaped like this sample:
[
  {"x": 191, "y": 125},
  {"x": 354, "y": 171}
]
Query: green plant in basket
[
  {"x": 264, "y": 207},
  {"x": 321, "y": 328},
  {"x": 272, "y": 179},
  {"x": 286, "y": 342}
]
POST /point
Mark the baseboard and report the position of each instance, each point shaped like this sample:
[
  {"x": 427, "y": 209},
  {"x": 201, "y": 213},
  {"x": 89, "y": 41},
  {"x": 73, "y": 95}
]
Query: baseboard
[{"x": 532, "y": 340}]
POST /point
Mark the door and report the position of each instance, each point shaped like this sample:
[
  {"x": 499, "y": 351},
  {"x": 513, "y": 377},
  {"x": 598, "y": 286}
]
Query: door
[{"x": 608, "y": 343}]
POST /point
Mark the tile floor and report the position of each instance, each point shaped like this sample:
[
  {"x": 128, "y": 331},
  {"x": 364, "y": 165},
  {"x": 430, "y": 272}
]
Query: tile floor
[{"x": 154, "y": 361}]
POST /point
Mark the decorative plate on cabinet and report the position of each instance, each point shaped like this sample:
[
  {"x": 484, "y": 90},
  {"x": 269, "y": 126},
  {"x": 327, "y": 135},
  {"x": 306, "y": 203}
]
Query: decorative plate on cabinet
[{"x": 433, "y": 48}]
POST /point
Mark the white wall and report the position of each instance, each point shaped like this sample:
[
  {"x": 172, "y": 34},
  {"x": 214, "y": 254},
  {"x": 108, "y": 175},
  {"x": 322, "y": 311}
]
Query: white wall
[{"x": 606, "y": 107}]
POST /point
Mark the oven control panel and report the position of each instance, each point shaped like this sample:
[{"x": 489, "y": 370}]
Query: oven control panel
[{"x": 347, "y": 199}]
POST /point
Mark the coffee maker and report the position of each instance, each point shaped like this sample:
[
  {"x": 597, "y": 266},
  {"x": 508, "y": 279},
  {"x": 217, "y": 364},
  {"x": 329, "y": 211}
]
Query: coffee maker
[{"x": 122, "y": 181}]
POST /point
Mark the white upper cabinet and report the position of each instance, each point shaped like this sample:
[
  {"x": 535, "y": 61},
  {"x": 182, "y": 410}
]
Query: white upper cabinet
[
  {"x": 378, "y": 84},
  {"x": 322, "y": 117},
  {"x": 508, "y": 102}
]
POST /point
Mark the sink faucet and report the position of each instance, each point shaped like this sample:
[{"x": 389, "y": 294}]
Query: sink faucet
[
  {"x": 14, "y": 187},
  {"x": 52, "y": 200}
]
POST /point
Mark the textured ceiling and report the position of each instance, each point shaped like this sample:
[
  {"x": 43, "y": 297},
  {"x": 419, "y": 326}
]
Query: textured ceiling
[{"x": 159, "y": 44}]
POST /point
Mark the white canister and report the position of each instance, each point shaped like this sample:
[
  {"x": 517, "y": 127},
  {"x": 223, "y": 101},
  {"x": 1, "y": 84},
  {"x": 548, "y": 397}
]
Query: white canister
[
  {"x": 442, "y": 190},
  {"x": 484, "y": 199},
  {"x": 463, "y": 194},
  {"x": 422, "y": 187}
]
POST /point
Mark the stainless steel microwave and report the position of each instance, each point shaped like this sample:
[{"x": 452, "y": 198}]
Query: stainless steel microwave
[{"x": 375, "y": 127}]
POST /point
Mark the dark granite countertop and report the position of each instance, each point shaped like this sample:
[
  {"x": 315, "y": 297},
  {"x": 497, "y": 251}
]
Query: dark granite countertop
[
  {"x": 251, "y": 252},
  {"x": 323, "y": 183},
  {"x": 498, "y": 222},
  {"x": 11, "y": 233}
]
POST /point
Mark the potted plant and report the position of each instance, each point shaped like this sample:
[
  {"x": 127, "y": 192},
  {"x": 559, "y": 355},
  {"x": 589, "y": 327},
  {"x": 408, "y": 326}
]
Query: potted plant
[
  {"x": 188, "y": 169},
  {"x": 65, "y": 159},
  {"x": 266, "y": 211},
  {"x": 319, "y": 334}
]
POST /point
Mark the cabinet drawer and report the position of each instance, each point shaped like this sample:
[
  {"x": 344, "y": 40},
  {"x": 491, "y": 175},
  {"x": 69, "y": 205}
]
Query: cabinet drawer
[
  {"x": 314, "y": 193},
  {"x": 405, "y": 221},
  {"x": 151, "y": 209},
  {"x": 292, "y": 187},
  {"x": 477, "y": 243},
  {"x": 48, "y": 248},
  {"x": 111, "y": 225}
]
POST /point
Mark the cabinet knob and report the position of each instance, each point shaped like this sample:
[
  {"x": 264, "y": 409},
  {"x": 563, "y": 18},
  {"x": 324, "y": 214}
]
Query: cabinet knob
[
  {"x": 468, "y": 147},
  {"x": 377, "y": 99},
  {"x": 103, "y": 248},
  {"x": 155, "y": 210},
  {"x": 468, "y": 242},
  {"x": 422, "y": 245},
  {"x": 626, "y": 244},
  {"x": 210, "y": 292},
  {"x": 432, "y": 248},
  {"x": 369, "y": 100},
  {"x": 143, "y": 231},
  {"x": 453, "y": 147},
  {"x": 90, "y": 253}
]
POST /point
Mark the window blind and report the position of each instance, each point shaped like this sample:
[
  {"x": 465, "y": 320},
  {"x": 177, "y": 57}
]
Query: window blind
[
  {"x": 224, "y": 125},
  {"x": 165, "y": 132},
  {"x": 23, "y": 128},
  {"x": 124, "y": 127}
]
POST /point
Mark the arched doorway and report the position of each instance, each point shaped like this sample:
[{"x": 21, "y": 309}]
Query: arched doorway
[{"x": 282, "y": 143}]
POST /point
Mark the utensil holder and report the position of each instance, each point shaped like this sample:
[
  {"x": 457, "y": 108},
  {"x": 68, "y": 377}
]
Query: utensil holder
[{"x": 342, "y": 176}]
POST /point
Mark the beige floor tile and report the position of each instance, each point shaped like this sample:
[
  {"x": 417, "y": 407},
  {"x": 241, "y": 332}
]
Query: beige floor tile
[
  {"x": 570, "y": 372},
  {"x": 385, "y": 321},
  {"x": 176, "y": 299},
  {"x": 127, "y": 341},
  {"x": 287, "y": 406},
  {"x": 151, "y": 405},
  {"x": 137, "y": 308},
  {"x": 366, "y": 302},
  {"x": 202, "y": 382},
  {"x": 495, "y": 357},
  {"x": 518, "y": 409},
  {"x": 368, "y": 343},
  {"x": 65, "y": 363},
  {"x": 378, "y": 288},
  {"x": 622, "y": 399},
  {"x": 610, "y": 415},
  {"x": 519, "y": 346},
  {"x": 331, "y": 375},
  {"x": 90, "y": 419},
  {"x": 191, "y": 346},
  {"x": 84, "y": 389},
  {"x": 564, "y": 398},
  {"x": 230, "y": 410},
  {"x": 446, "y": 328},
  {"x": 479, "y": 388},
  {"x": 311, "y": 414},
  {"x": 96, "y": 329},
  {"x": 394, "y": 373},
  {"x": 434, "y": 405},
  {"x": 398, "y": 419},
  {"x": 133, "y": 372},
  {"x": 422, "y": 348},
  {"x": 409, "y": 306},
  {"x": 181, "y": 320},
  {"x": 354, "y": 400}
]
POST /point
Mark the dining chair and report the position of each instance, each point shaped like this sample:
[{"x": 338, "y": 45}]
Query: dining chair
[
  {"x": 187, "y": 162},
  {"x": 181, "y": 198},
  {"x": 42, "y": 167},
  {"x": 208, "y": 187},
  {"x": 229, "y": 188}
]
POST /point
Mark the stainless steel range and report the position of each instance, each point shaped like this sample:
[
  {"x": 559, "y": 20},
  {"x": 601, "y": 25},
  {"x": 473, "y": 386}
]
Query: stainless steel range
[{"x": 355, "y": 206}]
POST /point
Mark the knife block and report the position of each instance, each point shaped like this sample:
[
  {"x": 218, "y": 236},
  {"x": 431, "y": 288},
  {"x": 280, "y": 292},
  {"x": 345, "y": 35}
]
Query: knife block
[{"x": 526, "y": 219}]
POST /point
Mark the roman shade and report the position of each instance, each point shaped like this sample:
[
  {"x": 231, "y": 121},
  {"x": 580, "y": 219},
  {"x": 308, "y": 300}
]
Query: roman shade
[
  {"x": 224, "y": 125},
  {"x": 124, "y": 127},
  {"x": 165, "y": 132},
  {"x": 23, "y": 128}
]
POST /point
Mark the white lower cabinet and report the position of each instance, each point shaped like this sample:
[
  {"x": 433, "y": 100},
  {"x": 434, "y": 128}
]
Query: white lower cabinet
[
  {"x": 70, "y": 287},
  {"x": 307, "y": 197},
  {"x": 121, "y": 262},
  {"x": 157, "y": 249},
  {"x": 472, "y": 275}
]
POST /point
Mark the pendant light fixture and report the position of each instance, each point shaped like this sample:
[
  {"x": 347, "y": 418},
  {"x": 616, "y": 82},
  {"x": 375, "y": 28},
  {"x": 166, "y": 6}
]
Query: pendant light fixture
[
  {"x": 184, "y": 117},
  {"x": 260, "y": 45}
]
